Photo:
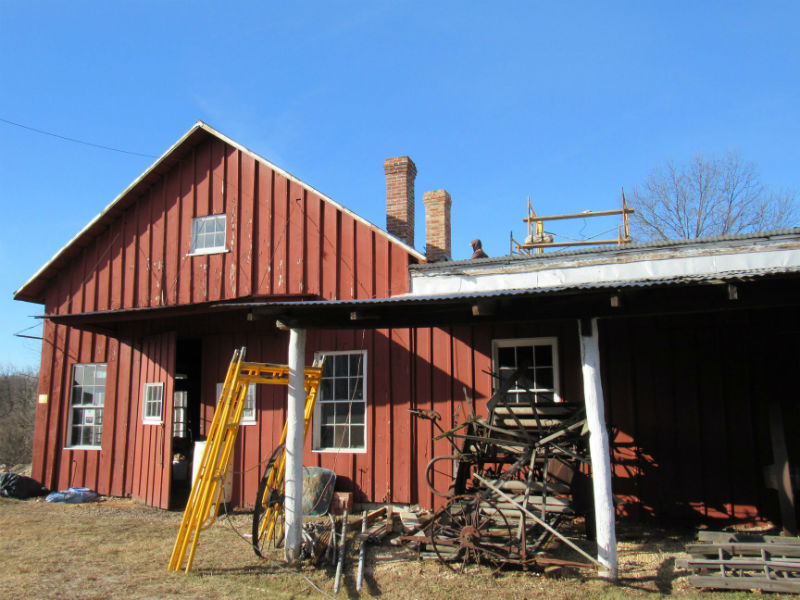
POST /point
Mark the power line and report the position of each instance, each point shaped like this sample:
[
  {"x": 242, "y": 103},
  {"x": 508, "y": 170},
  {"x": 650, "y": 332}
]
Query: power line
[{"x": 76, "y": 141}]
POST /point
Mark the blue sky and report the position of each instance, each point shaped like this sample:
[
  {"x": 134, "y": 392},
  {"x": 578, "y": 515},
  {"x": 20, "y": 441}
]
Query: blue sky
[{"x": 563, "y": 102}]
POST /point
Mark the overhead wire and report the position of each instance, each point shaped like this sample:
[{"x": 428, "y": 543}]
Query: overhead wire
[{"x": 75, "y": 140}]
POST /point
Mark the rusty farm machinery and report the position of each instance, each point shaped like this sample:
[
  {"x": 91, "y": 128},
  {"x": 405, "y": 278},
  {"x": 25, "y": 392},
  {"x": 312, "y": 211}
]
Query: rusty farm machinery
[{"x": 510, "y": 479}]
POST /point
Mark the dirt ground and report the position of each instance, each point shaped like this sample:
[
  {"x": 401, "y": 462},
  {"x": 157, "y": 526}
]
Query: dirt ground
[{"x": 118, "y": 549}]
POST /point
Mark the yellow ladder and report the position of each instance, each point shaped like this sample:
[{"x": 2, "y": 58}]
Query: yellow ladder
[{"x": 202, "y": 506}]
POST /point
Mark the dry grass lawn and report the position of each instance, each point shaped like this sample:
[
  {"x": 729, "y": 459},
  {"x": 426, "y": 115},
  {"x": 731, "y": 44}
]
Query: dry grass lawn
[{"x": 119, "y": 549}]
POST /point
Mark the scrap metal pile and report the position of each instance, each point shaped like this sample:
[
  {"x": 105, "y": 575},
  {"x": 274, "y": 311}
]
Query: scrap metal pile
[{"x": 511, "y": 479}]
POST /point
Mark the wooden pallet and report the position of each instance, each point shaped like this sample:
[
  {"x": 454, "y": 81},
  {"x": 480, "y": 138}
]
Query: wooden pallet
[{"x": 744, "y": 562}]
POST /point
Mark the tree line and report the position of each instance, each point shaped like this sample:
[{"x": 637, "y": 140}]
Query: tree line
[{"x": 18, "y": 388}]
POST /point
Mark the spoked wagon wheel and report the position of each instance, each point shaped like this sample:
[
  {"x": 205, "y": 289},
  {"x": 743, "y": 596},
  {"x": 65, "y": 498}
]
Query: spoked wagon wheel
[
  {"x": 268, "y": 510},
  {"x": 471, "y": 529}
]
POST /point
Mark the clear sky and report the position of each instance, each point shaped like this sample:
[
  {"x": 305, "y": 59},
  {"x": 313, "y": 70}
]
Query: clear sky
[{"x": 565, "y": 102}]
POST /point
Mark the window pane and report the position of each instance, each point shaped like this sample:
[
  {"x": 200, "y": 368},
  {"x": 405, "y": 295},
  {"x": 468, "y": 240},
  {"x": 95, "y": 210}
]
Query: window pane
[
  {"x": 356, "y": 368},
  {"x": 340, "y": 389},
  {"x": 340, "y": 437},
  {"x": 341, "y": 360},
  {"x": 327, "y": 368},
  {"x": 327, "y": 412},
  {"x": 544, "y": 356},
  {"x": 544, "y": 378},
  {"x": 77, "y": 375},
  {"x": 355, "y": 389},
  {"x": 525, "y": 356},
  {"x": 342, "y": 413},
  {"x": 357, "y": 411},
  {"x": 326, "y": 387},
  {"x": 326, "y": 436},
  {"x": 357, "y": 436},
  {"x": 506, "y": 357}
]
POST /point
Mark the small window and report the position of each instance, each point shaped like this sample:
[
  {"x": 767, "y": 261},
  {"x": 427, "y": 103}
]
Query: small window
[
  {"x": 537, "y": 362},
  {"x": 249, "y": 411},
  {"x": 341, "y": 408},
  {"x": 208, "y": 234},
  {"x": 180, "y": 414},
  {"x": 153, "y": 403},
  {"x": 87, "y": 399}
]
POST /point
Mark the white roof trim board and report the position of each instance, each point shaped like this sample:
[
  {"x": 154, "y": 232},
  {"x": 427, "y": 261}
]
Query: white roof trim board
[
  {"x": 645, "y": 266},
  {"x": 227, "y": 140}
]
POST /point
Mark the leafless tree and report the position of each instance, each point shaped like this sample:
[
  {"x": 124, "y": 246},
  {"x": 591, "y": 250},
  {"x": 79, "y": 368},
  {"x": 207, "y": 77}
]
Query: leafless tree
[
  {"x": 17, "y": 412},
  {"x": 708, "y": 197}
]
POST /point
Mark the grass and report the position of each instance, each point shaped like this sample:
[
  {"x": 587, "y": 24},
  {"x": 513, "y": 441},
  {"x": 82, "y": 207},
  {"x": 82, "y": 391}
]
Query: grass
[{"x": 119, "y": 549}]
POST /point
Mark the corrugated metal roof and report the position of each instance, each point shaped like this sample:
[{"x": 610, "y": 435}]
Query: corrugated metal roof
[
  {"x": 410, "y": 299},
  {"x": 721, "y": 241}
]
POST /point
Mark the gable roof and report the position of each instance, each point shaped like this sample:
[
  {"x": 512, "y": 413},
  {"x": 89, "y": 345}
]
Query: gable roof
[{"x": 33, "y": 289}]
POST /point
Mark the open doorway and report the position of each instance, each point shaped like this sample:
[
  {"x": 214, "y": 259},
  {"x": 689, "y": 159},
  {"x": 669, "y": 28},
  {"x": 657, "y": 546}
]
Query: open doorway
[{"x": 185, "y": 418}]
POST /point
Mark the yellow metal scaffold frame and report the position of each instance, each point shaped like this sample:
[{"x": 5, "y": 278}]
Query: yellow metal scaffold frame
[
  {"x": 202, "y": 506},
  {"x": 537, "y": 240}
]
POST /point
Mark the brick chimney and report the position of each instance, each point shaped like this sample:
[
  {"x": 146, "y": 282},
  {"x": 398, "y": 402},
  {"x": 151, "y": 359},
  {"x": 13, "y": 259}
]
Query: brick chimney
[
  {"x": 437, "y": 225},
  {"x": 400, "y": 173}
]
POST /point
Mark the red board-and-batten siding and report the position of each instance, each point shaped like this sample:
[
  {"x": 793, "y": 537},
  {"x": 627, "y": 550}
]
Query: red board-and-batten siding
[{"x": 283, "y": 238}]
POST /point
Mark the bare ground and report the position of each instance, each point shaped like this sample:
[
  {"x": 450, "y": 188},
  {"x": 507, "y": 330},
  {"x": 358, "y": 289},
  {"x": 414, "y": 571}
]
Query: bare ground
[{"x": 118, "y": 549}]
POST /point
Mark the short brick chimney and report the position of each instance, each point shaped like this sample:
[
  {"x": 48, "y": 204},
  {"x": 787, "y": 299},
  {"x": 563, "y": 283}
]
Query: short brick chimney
[
  {"x": 400, "y": 174},
  {"x": 437, "y": 225}
]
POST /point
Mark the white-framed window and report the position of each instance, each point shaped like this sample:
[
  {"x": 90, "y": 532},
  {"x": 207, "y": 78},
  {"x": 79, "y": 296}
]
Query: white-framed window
[
  {"x": 249, "y": 411},
  {"x": 340, "y": 414},
  {"x": 153, "y": 403},
  {"x": 180, "y": 414},
  {"x": 538, "y": 360},
  {"x": 208, "y": 234},
  {"x": 87, "y": 399}
]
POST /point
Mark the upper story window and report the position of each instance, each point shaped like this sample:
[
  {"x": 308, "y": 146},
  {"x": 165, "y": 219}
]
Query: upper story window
[
  {"x": 208, "y": 234},
  {"x": 537, "y": 360},
  {"x": 87, "y": 399},
  {"x": 341, "y": 408},
  {"x": 249, "y": 411},
  {"x": 153, "y": 403}
]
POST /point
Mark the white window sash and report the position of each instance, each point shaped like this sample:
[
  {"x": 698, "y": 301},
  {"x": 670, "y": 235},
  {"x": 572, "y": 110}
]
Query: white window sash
[{"x": 149, "y": 404}]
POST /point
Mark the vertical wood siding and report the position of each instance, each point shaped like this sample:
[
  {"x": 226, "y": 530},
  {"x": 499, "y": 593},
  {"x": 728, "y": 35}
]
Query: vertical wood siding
[{"x": 281, "y": 239}]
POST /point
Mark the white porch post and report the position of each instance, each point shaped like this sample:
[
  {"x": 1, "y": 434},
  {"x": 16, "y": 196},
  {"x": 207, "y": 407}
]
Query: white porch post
[
  {"x": 293, "y": 501},
  {"x": 599, "y": 450}
]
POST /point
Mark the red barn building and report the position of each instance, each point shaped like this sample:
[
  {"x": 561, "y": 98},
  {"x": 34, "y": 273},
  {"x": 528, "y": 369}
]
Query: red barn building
[{"x": 213, "y": 244}]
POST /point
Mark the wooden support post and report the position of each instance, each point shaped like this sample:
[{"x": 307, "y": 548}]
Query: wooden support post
[
  {"x": 599, "y": 449},
  {"x": 293, "y": 499}
]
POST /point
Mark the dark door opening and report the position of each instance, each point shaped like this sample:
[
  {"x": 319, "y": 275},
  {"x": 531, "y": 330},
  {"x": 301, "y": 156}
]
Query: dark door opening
[{"x": 185, "y": 418}]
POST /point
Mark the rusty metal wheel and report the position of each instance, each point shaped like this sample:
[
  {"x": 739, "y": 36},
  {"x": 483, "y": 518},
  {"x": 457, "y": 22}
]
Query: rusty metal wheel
[
  {"x": 441, "y": 475},
  {"x": 471, "y": 529},
  {"x": 268, "y": 509}
]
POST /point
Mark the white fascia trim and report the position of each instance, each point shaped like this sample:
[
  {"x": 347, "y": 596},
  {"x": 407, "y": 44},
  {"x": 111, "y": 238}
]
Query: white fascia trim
[
  {"x": 226, "y": 139},
  {"x": 655, "y": 269}
]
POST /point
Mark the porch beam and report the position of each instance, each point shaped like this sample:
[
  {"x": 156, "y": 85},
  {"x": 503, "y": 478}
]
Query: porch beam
[
  {"x": 293, "y": 500},
  {"x": 599, "y": 449}
]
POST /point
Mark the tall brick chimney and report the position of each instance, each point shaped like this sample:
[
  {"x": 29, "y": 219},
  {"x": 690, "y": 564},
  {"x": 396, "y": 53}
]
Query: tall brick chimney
[
  {"x": 400, "y": 173},
  {"x": 437, "y": 225}
]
